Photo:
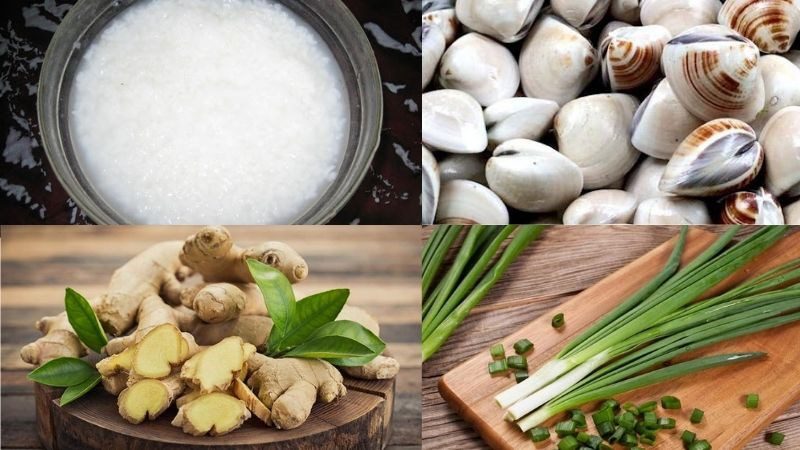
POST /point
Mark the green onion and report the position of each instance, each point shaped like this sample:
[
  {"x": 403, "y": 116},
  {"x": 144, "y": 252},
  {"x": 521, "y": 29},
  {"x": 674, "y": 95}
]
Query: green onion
[
  {"x": 517, "y": 362},
  {"x": 650, "y": 420},
  {"x": 450, "y": 233},
  {"x": 582, "y": 437},
  {"x": 775, "y": 438},
  {"x": 558, "y": 320},
  {"x": 687, "y": 437},
  {"x": 565, "y": 428},
  {"x": 629, "y": 440},
  {"x": 520, "y": 375},
  {"x": 700, "y": 445},
  {"x": 611, "y": 403},
  {"x": 523, "y": 346},
  {"x": 627, "y": 421},
  {"x": 752, "y": 401},
  {"x": 647, "y": 440},
  {"x": 697, "y": 416},
  {"x": 595, "y": 442},
  {"x": 498, "y": 367},
  {"x": 568, "y": 443},
  {"x": 605, "y": 428},
  {"x": 602, "y": 416},
  {"x": 619, "y": 433},
  {"x": 666, "y": 423},
  {"x": 648, "y": 406},
  {"x": 539, "y": 434},
  {"x": 497, "y": 351},
  {"x": 579, "y": 418},
  {"x": 631, "y": 408},
  {"x": 649, "y": 434},
  {"x": 670, "y": 402}
]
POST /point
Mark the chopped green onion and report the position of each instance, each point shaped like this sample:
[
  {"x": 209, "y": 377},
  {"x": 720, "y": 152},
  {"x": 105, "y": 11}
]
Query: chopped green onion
[
  {"x": 650, "y": 420},
  {"x": 605, "y": 428},
  {"x": 565, "y": 428},
  {"x": 539, "y": 434},
  {"x": 687, "y": 437},
  {"x": 647, "y": 440},
  {"x": 579, "y": 418},
  {"x": 619, "y": 432},
  {"x": 498, "y": 367},
  {"x": 670, "y": 402},
  {"x": 605, "y": 447},
  {"x": 629, "y": 440},
  {"x": 700, "y": 445},
  {"x": 602, "y": 416},
  {"x": 647, "y": 407},
  {"x": 697, "y": 416},
  {"x": 631, "y": 408},
  {"x": 649, "y": 434},
  {"x": 497, "y": 351},
  {"x": 627, "y": 421},
  {"x": 582, "y": 437},
  {"x": 595, "y": 442},
  {"x": 558, "y": 320},
  {"x": 752, "y": 401},
  {"x": 517, "y": 362},
  {"x": 611, "y": 404},
  {"x": 520, "y": 375},
  {"x": 666, "y": 423},
  {"x": 523, "y": 346},
  {"x": 775, "y": 438},
  {"x": 568, "y": 443}
]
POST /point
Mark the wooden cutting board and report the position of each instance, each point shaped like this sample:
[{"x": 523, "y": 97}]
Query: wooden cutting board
[{"x": 728, "y": 425}]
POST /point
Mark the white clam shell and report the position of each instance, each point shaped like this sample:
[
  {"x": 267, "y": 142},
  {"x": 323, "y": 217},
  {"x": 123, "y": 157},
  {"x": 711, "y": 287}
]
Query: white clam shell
[
  {"x": 791, "y": 213},
  {"x": 533, "y": 177},
  {"x": 480, "y": 67},
  {"x": 433, "y": 45},
  {"x": 519, "y": 118},
  {"x": 643, "y": 180},
  {"x": 594, "y": 132},
  {"x": 672, "y": 211},
  {"x": 430, "y": 186},
  {"x": 608, "y": 28},
  {"x": 605, "y": 206},
  {"x": 446, "y": 20},
  {"x": 793, "y": 56},
  {"x": 632, "y": 56},
  {"x": 467, "y": 202},
  {"x": 752, "y": 208},
  {"x": 463, "y": 167},
  {"x": 582, "y": 14},
  {"x": 504, "y": 20},
  {"x": 452, "y": 121},
  {"x": 781, "y": 141},
  {"x": 781, "y": 87},
  {"x": 714, "y": 73},
  {"x": 718, "y": 158},
  {"x": 661, "y": 123},
  {"x": 556, "y": 62},
  {"x": 772, "y": 24},
  {"x": 679, "y": 15},
  {"x": 625, "y": 10}
]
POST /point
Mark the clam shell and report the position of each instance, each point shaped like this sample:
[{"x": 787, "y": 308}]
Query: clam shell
[
  {"x": 679, "y": 15},
  {"x": 610, "y": 26},
  {"x": 661, "y": 123},
  {"x": 519, "y": 118},
  {"x": 751, "y": 208},
  {"x": 430, "y": 186},
  {"x": 605, "y": 206},
  {"x": 632, "y": 56},
  {"x": 720, "y": 157},
  {"x": 791, "y": 213},
  {"x": 463, "y": 167},
  {"x": 504, "y": 20},
  {"x": 625, "y": 10},
  {"x": 533, "y": 177},
  {"x": 793, "y": 56},
  {"x": 781, "y": 141},
  {"x": 771, "y": 24},
  {"x": 433, "y": 45},
  {"x": 594, "y": 132},
  {"x": 643, "y": 180},
  {"x": 556, "y": 62},
  {"x": 581, "y": 14},
  {"x": 672, "y": 211},
  {"x": 714, "y": 73},
  {"x": 480, "y": 67},
  {"x": 781, "y": 87},
  {"x": 452, "y": 121},
  {"x": 467, "y": 202},
  {"x": 445, "y": 19}
]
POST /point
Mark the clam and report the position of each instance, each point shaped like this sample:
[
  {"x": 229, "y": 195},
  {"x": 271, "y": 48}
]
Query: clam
[
  {"x": 781, "y": 87},
  {"x": 467, "y": 202},
  {"x": 582, "y": 14},
  {"x": 452, "y": 121},
  {"x": 672, "y": 211},
  {"x": 463, "y": 167},
  {"x": 443, "y": 15},
  {"x": 632, "y": 56},
  {"x": 605, "y": 206},
  {"x": 432, "y": 49},
  {"x": 504, "y": 20},
  {"x": 610, "y": 26},
  {"x": 772, "y": 24},
  {"x": 593, "y": 132},
  {"x": 781, "y": 141},
  {"x": 643, "y": 180},
  {"x": 519, "y": 118},
  {"x": 718, "y": 158},
  {"x": 791, "y": 213},
  {"x": 679, "y": 15},
  {"x": 793, "y": 56},
  {"x": 480, "y": 67},
  {"x": 661, "y": 123},
  {"x": 714, "y": 73},
  {"x": 430, "y": 186},
  {"x": 533, "y": 177},
  {"x": 751, "y": 208},
  {"x": 625, "y": 10},
  {"x": 556, "y": 62}
]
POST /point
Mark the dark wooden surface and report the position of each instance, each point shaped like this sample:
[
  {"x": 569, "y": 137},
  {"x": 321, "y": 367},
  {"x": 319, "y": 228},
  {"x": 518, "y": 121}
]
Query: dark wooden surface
[
  {"x": 31, "y": 194},
  {"x": 380, "y": 265},
  {"x": 556, "y": 268}
]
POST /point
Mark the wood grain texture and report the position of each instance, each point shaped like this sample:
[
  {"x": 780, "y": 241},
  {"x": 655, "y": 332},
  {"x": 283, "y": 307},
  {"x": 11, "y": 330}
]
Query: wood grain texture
[
  {"x": 562, "y": 265},
  {"x": 378, "y": 264}
]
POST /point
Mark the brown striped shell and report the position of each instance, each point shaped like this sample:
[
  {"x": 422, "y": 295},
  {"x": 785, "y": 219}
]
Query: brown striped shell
[
  {"x": 751, "y": 208},
  {"x": 772, "y": 24},
  {"x": 718, "y": 158},
  {"x": 632, "y": 56},
  {"x": 714, "y": 73}
]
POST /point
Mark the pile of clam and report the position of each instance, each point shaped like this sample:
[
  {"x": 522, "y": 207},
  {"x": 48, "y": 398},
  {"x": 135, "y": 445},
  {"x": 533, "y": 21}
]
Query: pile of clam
[{"x": 611, "y": 111}]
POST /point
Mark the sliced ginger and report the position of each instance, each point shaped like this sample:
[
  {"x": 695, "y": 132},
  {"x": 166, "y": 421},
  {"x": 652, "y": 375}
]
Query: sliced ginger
[
  {"x": 215, "y": 414},
  {"x": 243, "y": 393},
  {"x": 152, "y": 357},
  {"x": 148, "y": 398},
  {"x": 214, "y": 368}
]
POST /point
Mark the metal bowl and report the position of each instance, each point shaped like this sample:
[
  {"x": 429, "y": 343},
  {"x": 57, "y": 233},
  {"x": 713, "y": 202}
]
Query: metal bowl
[{"x": 331, "y": 20}]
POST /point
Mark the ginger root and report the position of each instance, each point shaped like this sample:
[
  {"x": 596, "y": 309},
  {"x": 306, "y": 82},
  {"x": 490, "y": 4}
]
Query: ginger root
[
  {"x": 59, "y": 340},
  {"x": 253, "y": 403},
  {"x": 380, "y": 368},
  {"x": 212, "y": 253},
  {"x": 214, "y": 368},
  {"x": 148, "y": 398},
  {"x": 154, "y": 356},
  {"x": 252, "y": 329},
  {"x": 215, "y": 414},
  {"x": 218, "y": 302},
  {"x": 152, "y": 313}
]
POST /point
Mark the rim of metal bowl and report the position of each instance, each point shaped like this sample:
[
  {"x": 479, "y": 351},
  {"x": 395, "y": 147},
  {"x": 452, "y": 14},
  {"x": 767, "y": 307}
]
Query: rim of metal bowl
[{"x": 344, "y": 33}]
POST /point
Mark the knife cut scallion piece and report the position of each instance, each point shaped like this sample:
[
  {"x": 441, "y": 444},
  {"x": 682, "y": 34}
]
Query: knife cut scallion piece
[
  {"x": 650, "y": 420},
  {"x": 751, "y": 402},
  {"x": 606, "y": 428},
  {"x": 520, "y": 375},
  {"x": 670, "y": 402},
  {"x": 497, "y": 351},
  {"x": 687, "y": 437},
  {"x": 631, "y": 408},
  {"x": 558, "y": 320},
  {"x": 539, "y": 434},
  {"x": 700, "y": 445},
  {"x": 648, "y": 406},
  {"x": 517, "y": 362},
  {"x": 610, "y": 404},
  {"x": 579, "y": 418},
  {"x": 666, "y": 423},
  {"x": 498, "y": 367},
  {"x": 627, "y": 421},
  {"x": 697, "y": 416},
  {"x": 568, "y": 443},
  {"x": 523, "y": 346},
  {"x": 603, "y": 416},
  {"x": 775, "y": 438},
  {"x": 565, "y": 428},
  {"x": 619, "y": 433}
]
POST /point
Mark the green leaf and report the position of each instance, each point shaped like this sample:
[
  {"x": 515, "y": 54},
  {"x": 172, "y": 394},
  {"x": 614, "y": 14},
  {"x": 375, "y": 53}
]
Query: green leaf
[
  {"x": 79, "y": 390},
  {"x": 278, "y": 296},
  {"x": 343, "y": 342},
  {"x": 83, "y": 320},
  {"x": 329, "y": 347},
  {"x": 62, "y": 372},
  {"x": 357, "y": 332},
  {"x": 311, "y": 313}
]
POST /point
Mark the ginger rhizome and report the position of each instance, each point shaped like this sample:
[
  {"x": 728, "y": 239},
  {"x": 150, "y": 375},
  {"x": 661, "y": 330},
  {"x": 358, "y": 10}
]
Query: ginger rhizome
[
  {"x": 216, "y": 414},
  {"x": 214, "y": 368}
]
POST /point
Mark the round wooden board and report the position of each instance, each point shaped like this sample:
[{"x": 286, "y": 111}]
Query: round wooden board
[{"x": 360, "y": 420}]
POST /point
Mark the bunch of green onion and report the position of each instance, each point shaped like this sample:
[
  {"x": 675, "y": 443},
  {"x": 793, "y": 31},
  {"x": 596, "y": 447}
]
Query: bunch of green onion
[
  {"x": 477, "y": 266},
  {"x": 662, "y": 321}
]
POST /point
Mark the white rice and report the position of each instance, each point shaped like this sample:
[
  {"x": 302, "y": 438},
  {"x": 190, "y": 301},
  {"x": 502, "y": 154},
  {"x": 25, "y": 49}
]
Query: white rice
[{"x": 209, "y": 111}]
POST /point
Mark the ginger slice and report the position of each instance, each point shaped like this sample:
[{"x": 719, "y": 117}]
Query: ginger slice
[
  {"x": 214, "y": 368},
  {"x": 243, "y": 393},
  {"x": 215, "y": 414},
  {"x": 148, "y": 398},
  {"x": 161, "y": 349}
]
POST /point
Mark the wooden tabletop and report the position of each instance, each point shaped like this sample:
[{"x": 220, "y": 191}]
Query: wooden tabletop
[
  {"x": 380, "y": 266},
  {"x": 562, "y": 265}
]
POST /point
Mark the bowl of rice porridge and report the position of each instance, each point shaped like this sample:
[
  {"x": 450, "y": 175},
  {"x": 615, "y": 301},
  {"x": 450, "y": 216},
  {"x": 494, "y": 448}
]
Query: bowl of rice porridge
[{"x": 210, "y": 111}]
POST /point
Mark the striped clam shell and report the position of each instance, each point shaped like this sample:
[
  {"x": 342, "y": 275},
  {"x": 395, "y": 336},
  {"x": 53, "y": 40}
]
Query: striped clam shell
[
  {"x": 632, "y": 56},
  {"x": 772, "y": 24},
  {"x": 719, "y": 157},
  {"x": 714, "y": 73},
  {"x": 751, "y": 208}
]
